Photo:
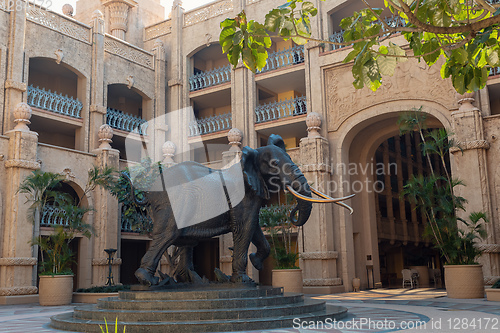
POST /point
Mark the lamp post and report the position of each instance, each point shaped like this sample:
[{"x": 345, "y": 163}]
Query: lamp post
[{"x": 110, "y": 252}]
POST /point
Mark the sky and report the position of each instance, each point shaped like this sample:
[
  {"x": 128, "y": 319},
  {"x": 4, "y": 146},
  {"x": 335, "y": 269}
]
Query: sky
[{"x": 186, "y": 4}]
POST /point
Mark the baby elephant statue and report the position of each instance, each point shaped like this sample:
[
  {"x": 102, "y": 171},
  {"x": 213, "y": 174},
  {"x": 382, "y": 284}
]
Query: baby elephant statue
[{"x": 189, "y": 202}]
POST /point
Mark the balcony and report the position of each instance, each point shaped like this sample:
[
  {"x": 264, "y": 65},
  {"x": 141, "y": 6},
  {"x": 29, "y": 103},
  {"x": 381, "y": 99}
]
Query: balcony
[
  {"x": 210, "y": 78},
  {"x": 494, "y": 70},
  {"x": 283, "y": 58},
  {"x": 52, "y": 216},
  {"x": 282, "y": 109},
  {"x": 338, "y": 36},
  {"x": 126, "y": 122},
  {"x": 54, "y": 102},
  {"x": 145, "y": 224},
  {"x": 210, "y": 124}
]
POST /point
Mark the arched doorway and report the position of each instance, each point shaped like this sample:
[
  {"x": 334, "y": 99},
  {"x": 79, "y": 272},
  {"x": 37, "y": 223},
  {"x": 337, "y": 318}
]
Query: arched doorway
[{"x": 386, "y": 233}]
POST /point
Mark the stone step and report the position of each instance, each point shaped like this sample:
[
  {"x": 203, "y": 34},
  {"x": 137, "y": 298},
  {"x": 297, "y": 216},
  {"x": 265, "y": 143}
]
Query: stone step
[
  {"x": 182, "y": 294},
  {"x": 91, "y": 312},
  {"x": 117, "y": 303},
  {"x": 67, "y": 322}
]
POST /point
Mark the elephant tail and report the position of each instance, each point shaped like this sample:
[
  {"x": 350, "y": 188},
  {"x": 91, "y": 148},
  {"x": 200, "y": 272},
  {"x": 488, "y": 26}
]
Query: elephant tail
[{"x": 132, "y": 191}]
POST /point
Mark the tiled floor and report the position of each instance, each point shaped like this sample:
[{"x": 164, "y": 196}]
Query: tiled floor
[{"x": 380, "y": 310}]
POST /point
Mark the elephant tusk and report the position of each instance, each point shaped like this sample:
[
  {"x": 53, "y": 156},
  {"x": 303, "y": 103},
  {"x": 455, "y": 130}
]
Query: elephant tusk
[
  {"x": 324, "y": 196},
  {"x": 338, "y": 201}
]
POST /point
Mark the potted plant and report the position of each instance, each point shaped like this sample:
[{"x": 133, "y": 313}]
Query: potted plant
[
  {"x": 275, "y": 221},
  {"x": 434, "y": 193},
  {"x": 42, "y": 190}
]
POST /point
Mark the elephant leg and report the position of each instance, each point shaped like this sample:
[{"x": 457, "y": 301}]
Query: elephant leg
[
  {"x": 241, "y": 240},
  {"x": 263, "y": 249},
  {"x": 149, "y": 263},
  {"x": 185, "y": 269}
]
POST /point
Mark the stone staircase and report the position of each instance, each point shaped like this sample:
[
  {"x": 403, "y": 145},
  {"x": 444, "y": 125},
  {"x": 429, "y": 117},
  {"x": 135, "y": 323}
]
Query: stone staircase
[{"x": 215, "y": 309}]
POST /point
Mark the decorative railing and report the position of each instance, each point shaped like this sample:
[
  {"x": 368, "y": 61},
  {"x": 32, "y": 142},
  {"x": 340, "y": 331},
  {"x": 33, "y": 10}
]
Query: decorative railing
[
  {"x": 210, "y": 78},
  {"x": 282, "y": 109},
  {"x": 59, "y": 23},
  {"x": 494, "y": 70},
  {"x": 283, "y": 58},
  {"x": 393, "y": 21},
  {"x": 55, "y": 102},
  {"x": 127, "y": 51},
  {"x": 157, "y": 30},
  {"x": 143, "y": 224},
  {"x": 210, "y": 124},
  {"x": 208, "y": 11},
  {"x": 126, "y": 122},
  {"x": 52, "y": 216}
]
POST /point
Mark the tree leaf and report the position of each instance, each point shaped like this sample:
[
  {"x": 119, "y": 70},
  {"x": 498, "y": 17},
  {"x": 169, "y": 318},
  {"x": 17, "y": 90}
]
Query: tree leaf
[{"x": 386, "y": 65}]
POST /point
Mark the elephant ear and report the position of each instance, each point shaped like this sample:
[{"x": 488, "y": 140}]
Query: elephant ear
[
  {"x": 277, "y": 140},
  {"x": 251, "y": 172}
]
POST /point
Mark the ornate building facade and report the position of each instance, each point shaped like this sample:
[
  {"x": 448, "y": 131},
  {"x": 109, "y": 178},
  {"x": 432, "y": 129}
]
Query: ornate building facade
[{"x": 74, "y": 88}]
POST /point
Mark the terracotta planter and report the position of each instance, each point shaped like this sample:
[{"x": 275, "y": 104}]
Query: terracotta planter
[
  {"x": 493, "y": 294},
  {"x": 55, "y": 290},
  {"x": 91, "y": 297},
  {"x": 356, "y": 283},
  {"x": 289, "y": 279},
  {"x": 464, "y": 281}
]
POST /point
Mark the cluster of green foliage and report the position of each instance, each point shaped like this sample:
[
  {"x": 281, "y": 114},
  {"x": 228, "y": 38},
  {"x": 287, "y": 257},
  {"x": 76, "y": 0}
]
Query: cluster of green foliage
[
  {"x": 104, "y": 289},
  {"x": 144, "y": 174},
  {"x": 496, "y": 285},
  {"x": 43, "y": 189},
  {"x": 275, "y": 221},
  {"x": 105, "y": 329},
  {"x": 463, "y": 32},
  {"x": 435, "y": 195}
]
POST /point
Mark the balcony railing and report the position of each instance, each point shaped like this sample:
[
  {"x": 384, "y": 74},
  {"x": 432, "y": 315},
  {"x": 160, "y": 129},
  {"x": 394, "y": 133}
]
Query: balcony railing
[
  {"x": 51, "y": 216},
  {"x": 126, "y": 122},
  {"x": 210, "y": 78},
  {"x": 282, "y": 109},
  {"x": 494, "y": 70},
  {"x": 393, "y": 21},
  {"x": 283, "y": 58},
  {"x": 54, "y": 102},
  {"x": 210, "y": 124},
  {"x": 144, "y": 224}
]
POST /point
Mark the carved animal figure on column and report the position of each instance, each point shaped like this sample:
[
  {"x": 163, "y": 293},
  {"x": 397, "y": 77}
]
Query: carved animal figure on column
[{"x": 198, "y": 202}]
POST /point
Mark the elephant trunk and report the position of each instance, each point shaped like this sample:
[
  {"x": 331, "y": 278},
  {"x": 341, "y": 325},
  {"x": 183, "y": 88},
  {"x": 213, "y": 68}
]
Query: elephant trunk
[{"x": 304, "y": 207}]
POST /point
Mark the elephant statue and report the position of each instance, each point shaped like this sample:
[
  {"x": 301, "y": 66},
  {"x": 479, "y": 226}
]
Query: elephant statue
[{"x": 193, "y": 202}]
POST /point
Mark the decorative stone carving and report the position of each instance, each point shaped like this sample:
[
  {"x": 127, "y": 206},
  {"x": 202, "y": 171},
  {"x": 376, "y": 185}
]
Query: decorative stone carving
[
  {"x": 468, "y": 145},
  {"x": 208, "y": 11},
  {"x": 412, "y": 81},
  {"x": 157, "y": 30},
  {"x": 67, "y": 10},
  {"x": 465, "y": 99},
  {"x": 208, "y": 39},
  {"x": 177, "y": 3},
  {"x": 490, "y": 280},
  {"x": 105, "y": 135},
  {"x": 22, "y": 164},
  {"x": 97, "y": 14},
  {"x": 12, "y": 291},
  {"x": 59, "y": 56},
  {"x": 235, "y": 136},
  {"x": 319, "y": 255},
  {"x": 313, "y": 122},
  {"x": 11, "y": 84},
  {"x": 128, "y": 52},
  {"x": 18, "y": 261},
  {"x": 488, "y": 248},
  {"x": 98, "y": 108},
  {"x": 68, "y": 174},
  {"x": 104, "y": 261},
  {"x": 168, "y": 150},
  {"x": 130, "y": 81},
  {"x": 118, "y": 12},
  {"x": 22, "y": 115},
  {"x": 322, "y": 282},
  {"x": 159, "y": 50},
  {"x": 58, "y": 23}
]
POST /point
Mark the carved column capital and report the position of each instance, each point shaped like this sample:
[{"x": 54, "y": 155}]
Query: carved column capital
[
  {"x": 468, "y": 145},
  {"x": 118, "y": 11}
]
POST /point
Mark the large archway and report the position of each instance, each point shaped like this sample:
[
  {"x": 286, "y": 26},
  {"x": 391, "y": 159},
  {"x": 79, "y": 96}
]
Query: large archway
[{"x": 386, "y": 232}]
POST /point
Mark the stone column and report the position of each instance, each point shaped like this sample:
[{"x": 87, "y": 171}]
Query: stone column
[
  {"x": 17, "y": 258},
  {"x": 470, "y": 165},
  {"x": 15, "y": 84},
  {"x": 107, "y": 222},
  {"x": 97, "y": 107},
  {"x": 318, "y": 258},
  {"x": 243, "y": 102},
  {"x": 229, "y": 158},
  {"x": 159, "y": 111},
  {"x": 118, "y": 16},
  {"x": 168, "y": 151}
]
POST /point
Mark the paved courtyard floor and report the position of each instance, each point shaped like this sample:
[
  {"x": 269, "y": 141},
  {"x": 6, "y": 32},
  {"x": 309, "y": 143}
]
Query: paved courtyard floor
[{"x": 379, "y": 310}]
